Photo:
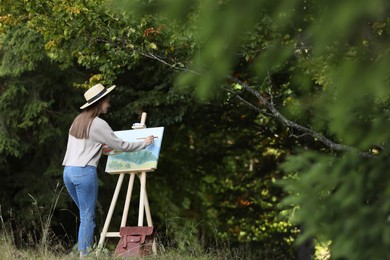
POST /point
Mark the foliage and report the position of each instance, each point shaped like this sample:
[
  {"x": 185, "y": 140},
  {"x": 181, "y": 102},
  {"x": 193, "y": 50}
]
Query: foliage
[
  {"x": 83, "y": 35},
  {"x": 224, "y": 191},
  {"x": 35, "y": 113},
  {"x": 353, "y": 190},
  {"x": 322, "y": 64},
  {"x": 327, "y": 66}
]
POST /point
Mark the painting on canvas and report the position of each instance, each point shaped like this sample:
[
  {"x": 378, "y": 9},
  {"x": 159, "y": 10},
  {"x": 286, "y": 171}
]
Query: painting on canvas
[{"x": 143, "y": 160}]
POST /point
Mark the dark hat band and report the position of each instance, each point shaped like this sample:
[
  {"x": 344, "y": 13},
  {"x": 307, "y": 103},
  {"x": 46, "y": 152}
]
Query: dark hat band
[{"x": 101, "y": 93}]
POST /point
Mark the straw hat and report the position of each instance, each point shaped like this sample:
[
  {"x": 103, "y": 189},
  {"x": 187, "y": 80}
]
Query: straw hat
[{"x": 95, "y": 93}]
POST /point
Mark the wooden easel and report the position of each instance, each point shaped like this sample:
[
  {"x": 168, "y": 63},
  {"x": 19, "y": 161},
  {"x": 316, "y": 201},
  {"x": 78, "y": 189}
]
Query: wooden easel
[{"x": 143, "y": 201}]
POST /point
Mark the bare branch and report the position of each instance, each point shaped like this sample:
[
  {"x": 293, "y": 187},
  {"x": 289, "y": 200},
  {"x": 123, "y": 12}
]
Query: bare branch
[
  {"x": 173, "y": 66},
  {"x": 299, "y": 136},
  {"x": 275, "y": 113},
  {"x": 271, "y": 108},
  {"x": 248, "y": 103}
]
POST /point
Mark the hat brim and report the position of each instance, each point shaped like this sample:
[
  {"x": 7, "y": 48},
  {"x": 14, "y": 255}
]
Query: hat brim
[{"x": 105, "y": 94}]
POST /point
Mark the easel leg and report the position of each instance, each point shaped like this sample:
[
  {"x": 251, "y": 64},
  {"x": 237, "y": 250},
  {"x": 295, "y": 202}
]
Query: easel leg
[
  {"x": 142, "y": 200},
  {"x": 128, "y": 199},
  {"x": 147, "y": 211},
  {"x": 149, "y": 221},
  {"x": 144, "y": 206},
  {"x": 111, "y": 210}
]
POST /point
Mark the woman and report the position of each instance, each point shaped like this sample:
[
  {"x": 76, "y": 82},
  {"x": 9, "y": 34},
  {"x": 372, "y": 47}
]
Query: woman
[{"x": 87, "y": 134}]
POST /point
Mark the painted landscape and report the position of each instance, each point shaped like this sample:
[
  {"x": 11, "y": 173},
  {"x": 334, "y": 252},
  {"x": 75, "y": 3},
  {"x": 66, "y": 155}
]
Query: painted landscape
[{"x": 144, "y": 160}]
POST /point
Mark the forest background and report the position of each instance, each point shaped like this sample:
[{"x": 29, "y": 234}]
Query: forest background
[{"x": 276, "y": 118}]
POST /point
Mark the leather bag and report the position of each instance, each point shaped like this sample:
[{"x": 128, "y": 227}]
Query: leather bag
[{"x": 135, "y": 241}]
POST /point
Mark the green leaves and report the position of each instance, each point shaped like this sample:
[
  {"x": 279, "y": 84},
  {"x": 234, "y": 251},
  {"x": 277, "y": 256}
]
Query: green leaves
[
  {"x": 323, "y": 64},
  {"x": 333, "y": 59},
  {"x": 21, "y": 51},
  {"x": 35, "y": 114},
  {"x": 348, "y": 189}
]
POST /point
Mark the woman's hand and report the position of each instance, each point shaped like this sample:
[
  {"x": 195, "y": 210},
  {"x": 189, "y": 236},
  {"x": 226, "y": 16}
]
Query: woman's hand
[{"x": 149, "y": 140}]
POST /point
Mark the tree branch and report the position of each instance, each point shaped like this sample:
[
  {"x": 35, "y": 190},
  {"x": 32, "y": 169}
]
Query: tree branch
[
  {"x": 173, "y": 66},
  {"x": 248, "y": 103},
  {"x": 276, "y": 114},
  {"x": 271, "y": 108}
]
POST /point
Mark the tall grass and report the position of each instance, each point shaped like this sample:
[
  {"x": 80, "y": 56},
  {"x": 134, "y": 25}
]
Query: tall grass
[
  {"x": 44, "y": 249},
  {"x": 184, "y": 245},
  {"x": 45, "y": 218},
  {"x": 178, "y": 239},
  {"x": 40, "y": 243}
]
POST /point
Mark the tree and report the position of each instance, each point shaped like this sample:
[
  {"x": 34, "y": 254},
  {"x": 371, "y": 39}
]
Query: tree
[
  {"x": 304, "y": 64},
  {"x": 109, "y": 47},
  {"x": 33, "y": 116},
  {"x": 327, "y": 65}
]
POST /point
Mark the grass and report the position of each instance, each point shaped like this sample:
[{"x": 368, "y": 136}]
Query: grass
[
  {"x": 48, "y": 247},
  {"x": 8, "y": 250},
  {"x": 185, "y": 245},
  {"x": 51, "y": 248},
  {"x": 38, "y": 244},
  {"x": 16, "y": 243}
]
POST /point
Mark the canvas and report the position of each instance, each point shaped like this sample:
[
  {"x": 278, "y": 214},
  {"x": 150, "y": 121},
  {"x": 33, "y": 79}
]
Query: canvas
[{"x": 144, "y": 160}]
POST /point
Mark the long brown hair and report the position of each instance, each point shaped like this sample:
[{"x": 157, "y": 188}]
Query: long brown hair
[{"x": 82, "y": 123}]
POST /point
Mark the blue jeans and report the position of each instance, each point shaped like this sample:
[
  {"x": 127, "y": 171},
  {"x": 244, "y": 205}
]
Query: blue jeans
[{"x": 82, "y": 185}]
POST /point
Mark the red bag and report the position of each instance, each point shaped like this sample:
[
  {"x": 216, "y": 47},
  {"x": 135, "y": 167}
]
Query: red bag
[{"x": 135, "y": 241}]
